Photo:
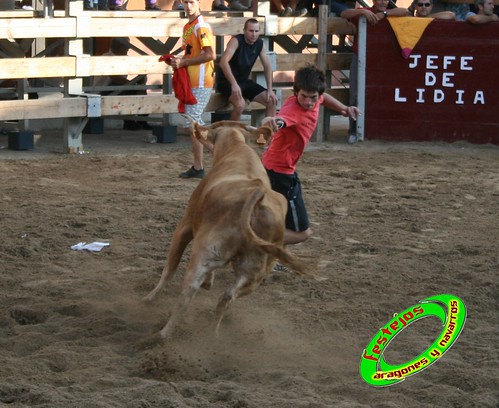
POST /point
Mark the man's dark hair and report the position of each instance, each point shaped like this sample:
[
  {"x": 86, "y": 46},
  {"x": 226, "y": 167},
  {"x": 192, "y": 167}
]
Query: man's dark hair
[
  {"x": 310, "y": 79},
  {"x": 250, "y": 21}
]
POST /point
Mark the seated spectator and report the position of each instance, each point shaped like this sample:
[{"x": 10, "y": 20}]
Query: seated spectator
[
  {"x": 485, "y": 12},
  {"x": 120, "y": 46},
  {"x": 423, "y": 8},
  {"x": 235, "y": 66}
]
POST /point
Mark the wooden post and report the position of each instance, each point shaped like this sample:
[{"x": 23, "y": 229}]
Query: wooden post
[
  {"x": 321, "y": 63},
  {"x": 361, "y": 76}
]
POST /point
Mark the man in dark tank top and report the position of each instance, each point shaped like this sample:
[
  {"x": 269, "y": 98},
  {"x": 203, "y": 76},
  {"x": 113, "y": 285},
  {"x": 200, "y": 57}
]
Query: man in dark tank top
[{"x": 236, "y": 63}]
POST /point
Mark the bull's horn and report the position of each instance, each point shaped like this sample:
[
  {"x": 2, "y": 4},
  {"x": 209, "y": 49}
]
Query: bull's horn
[{"x": 250, "y": 128}]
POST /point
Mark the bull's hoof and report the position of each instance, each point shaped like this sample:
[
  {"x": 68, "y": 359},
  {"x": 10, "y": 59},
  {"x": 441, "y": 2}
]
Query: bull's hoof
[{"x": 150, "y": 297}]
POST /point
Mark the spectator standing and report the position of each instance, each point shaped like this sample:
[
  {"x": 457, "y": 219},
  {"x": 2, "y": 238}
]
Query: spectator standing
[
  {"x": 294, "y": 126},
  {"x": 373, "y": 15},
  {"x": 235, "y": 66},
  {"x": 485, "y": 13},
  {"x": 197, "y": 43}
]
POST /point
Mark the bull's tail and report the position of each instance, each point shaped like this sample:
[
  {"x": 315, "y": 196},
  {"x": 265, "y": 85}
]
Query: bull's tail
[{"x": 270, "y": 248}]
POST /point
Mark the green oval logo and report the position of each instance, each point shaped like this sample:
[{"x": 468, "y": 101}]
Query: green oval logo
[{"x": 451, "y": 312}]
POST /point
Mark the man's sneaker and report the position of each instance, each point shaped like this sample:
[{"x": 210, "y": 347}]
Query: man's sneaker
[
  {"x": 219, "y": 7},
  {"x": 234, "y": 5},
  {"x": 287, "y": 12},
  {"x": 153, "y": 7},
  {"x": 352, "y": 139},
  {"x": 280, "y": 268},
  {"x": 300, "y": 13},
  {"x": 192, "y": 173}
]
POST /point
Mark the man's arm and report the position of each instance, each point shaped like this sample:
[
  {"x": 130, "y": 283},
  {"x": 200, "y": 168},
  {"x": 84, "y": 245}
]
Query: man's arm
[
  {"x": 443, "y": 15},
  {"x": 349, "y": 14},
  {"x": 335, "y": 104},
  {"x": 481, "y": 19},
  {"x": 269, "y": 75},
  {"x": 206, "y": 56}
]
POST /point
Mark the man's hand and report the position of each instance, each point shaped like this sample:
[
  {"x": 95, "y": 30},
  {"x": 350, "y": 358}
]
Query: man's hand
[
  {"x": 271, "y": 97},
  {"x": 236, "y": 91},
  {"x": 352, "y": 112},
  {"x": 274, "y": 123},
  {"x": 176, "y": 63}
]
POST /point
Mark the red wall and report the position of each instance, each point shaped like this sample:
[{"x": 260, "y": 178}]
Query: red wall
[{"x": 475, "y": 118}]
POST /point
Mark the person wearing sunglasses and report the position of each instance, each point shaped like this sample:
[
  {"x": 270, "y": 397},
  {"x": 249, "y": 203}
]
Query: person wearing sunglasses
[
  {"x": 423, "y": 8},
  {"x": 485, "y": 13},
  {"x": 379, "y": 11}
]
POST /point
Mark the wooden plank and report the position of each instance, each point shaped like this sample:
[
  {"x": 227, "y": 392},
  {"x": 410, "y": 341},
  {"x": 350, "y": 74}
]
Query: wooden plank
[
  {"x": 15, "y": 68},
  {"x": 289, "y": 62},
  {"x": 136, "y": 27},
  {"x": 38, "y": 27},
  {"x": 153, "y": 26},
  {"x": 16, "y": 13},
  {"x": 44, "y": 108},
  {"x": 124, "y": 65},
  {"x": 138, "y": 105}
]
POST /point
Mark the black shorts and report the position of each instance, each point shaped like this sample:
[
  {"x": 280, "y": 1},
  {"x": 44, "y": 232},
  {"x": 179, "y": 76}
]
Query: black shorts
[
  {"x": 249, "y": 89},
  {"x": 290, "y": 187}
]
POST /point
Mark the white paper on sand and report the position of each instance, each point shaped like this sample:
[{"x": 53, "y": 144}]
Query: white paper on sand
[{"x": 92, "y": 247}]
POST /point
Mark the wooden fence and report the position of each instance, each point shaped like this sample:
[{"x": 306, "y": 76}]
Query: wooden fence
[{"x": 39, "y": 32}]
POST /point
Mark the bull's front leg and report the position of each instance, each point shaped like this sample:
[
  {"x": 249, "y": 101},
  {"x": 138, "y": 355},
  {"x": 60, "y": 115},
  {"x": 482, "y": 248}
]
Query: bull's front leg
[
  {"x": 181, "y": 238},
  {"x": 194, "y": 277}
]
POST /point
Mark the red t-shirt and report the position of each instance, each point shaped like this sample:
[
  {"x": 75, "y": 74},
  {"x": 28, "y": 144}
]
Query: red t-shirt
[{"x": 288, "y": 143}]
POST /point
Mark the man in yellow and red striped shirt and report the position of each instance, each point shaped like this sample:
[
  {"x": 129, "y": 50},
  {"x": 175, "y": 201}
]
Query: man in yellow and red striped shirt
[{"x": 197, "y": 42}]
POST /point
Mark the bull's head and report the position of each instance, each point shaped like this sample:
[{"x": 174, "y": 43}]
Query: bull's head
[{"x": 255, "y": 137}]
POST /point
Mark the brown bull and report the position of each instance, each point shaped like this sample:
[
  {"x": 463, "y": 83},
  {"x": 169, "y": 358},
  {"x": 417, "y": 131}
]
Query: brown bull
[{"x": 232, "y": 216}]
